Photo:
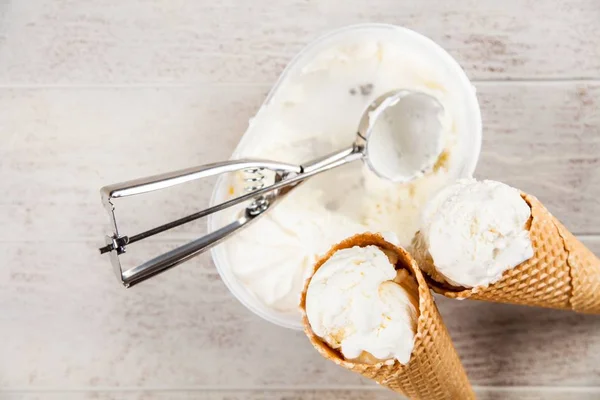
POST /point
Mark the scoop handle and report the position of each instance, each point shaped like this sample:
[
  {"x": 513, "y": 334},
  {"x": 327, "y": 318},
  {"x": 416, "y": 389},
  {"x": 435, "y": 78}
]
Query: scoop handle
[
  {"x": 163, "y": 181},
  {"x": 290, "y": 176}
]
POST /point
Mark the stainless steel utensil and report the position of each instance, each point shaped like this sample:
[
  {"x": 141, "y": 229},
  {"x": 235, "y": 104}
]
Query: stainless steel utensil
[{"x": 261, "y": 197}]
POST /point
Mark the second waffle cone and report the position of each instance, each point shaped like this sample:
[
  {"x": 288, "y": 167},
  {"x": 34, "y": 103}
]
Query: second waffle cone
[{"x": 562, "y": 274}]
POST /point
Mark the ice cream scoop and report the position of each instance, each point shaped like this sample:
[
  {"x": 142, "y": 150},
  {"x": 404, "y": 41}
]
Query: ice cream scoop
[
  {"x": 472, "y": 232},
  {"x": 404, "y": 135},
  {"x": 399, "y": 137}
]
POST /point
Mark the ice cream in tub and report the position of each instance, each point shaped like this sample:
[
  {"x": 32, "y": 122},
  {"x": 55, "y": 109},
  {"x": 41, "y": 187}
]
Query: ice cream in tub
[{"x": 314, "y": 108}]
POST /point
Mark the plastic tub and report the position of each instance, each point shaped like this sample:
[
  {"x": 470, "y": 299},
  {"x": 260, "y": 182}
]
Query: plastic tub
[{"x": 470, "y": 150}]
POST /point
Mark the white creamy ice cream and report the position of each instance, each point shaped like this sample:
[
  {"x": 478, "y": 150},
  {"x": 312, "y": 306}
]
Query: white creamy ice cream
[
  {"x": 476, "y": 230},
  {"x": 354, "y": 305},
  {"x": 285, "y": 245},
  {"x": 316, "y": 110}
]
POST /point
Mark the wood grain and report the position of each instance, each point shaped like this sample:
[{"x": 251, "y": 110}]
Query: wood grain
[
  {"x": 374, "y": 394},
  {"x": 68, "y": 42},
  {"x": 544, "y": 139},
  {"x": 592, "y": 242},
  {"x": 68, "y": 322},
  {"x": 97, "y": 92}
]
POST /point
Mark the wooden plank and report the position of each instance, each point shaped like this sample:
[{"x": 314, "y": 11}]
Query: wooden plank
[
  {"x": 376, "y": 394},
  {"x": 66, "y": 322},
  {"x": 592, "y": 242},
  {"x": 544, "y": 139},
  {"x": 504, "y": 345},
  {"x": 52, "y": 42},
  {"x": 72, "y": 142}
]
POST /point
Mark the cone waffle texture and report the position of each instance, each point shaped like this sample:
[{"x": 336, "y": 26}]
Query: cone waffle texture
[
  {"x": 562, "y": 273},
  {"x": 434, "y": 371}
]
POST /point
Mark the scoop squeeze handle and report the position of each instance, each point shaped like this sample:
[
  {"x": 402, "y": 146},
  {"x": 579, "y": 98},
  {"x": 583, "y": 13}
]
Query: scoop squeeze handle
[{"x": 116, "y": 243}]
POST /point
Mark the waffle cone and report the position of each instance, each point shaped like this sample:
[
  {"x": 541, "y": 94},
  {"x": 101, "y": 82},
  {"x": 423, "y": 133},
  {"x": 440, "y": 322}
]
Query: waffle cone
[
  {"x": 562, "y": 273},
  {"x": 434, "y": 370}
]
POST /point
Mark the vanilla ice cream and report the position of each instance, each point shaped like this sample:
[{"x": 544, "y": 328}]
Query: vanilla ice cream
[
  {"x": 355, "y": 304},
  {"x": 315, "y": 110},
  {"x": 473, "y": 231}
]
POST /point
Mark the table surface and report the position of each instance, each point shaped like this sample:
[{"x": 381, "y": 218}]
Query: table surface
[{"x": 94, "y": 92}]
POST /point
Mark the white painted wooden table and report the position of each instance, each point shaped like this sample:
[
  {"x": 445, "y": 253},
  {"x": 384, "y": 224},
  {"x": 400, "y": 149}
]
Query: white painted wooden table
[{"x": 93, "y": 92}]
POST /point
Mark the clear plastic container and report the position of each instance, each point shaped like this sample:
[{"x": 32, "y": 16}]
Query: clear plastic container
[{"x": 470, "y": 150}]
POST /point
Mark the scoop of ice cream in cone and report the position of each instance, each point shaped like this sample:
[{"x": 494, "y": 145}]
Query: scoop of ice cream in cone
[
  {"x": 474, "y": 231},
  {"x": 358, "y": 303},
  {"x": 367, "y": 308},
  {"x": 488, "y": 241}
]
